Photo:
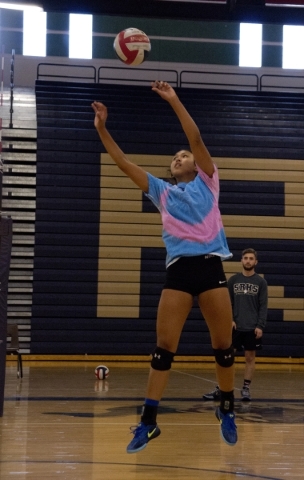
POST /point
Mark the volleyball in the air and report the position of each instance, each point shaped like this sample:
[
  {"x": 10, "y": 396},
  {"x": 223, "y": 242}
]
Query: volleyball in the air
[
  {"x": 132, "y": 46},
  {"x": 101, "y": 372}
]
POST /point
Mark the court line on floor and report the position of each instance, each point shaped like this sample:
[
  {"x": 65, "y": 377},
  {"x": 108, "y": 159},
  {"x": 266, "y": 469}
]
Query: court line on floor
[
  {"x": 145, "y": 465},
  {"x": 140, "y": 399},
  {"x": 200, "y": 378}
]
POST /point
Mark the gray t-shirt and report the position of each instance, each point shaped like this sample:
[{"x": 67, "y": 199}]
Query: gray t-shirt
[{"x": 249, "y": 298}]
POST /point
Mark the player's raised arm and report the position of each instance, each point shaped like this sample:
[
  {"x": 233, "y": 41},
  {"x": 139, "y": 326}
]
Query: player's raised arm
[
  {"x": 200, "y": 152},
  {"x": 136, "y": 173}
]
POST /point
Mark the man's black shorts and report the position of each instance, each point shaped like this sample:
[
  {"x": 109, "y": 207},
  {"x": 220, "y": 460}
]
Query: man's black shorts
[
  {"x": 245, "y": 340},
  {"x": 196, "y": 275}
]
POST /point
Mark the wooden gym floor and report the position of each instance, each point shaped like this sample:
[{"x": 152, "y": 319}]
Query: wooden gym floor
[{"x": 59, "y": 422}]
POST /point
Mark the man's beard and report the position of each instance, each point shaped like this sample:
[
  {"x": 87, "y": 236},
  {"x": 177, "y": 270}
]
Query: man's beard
[{"x": 248, "y": 269}]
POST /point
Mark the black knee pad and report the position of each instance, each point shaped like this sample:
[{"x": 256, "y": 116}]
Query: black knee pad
[
  {"x": 161, "y": 359},
  {"x": 225, "y": 358}
]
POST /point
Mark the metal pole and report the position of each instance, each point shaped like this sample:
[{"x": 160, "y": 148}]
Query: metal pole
[
  {"x": 12, "y": 89},
  {"x": 2, "y": 74},
  {"x": 6, "y": 229},
  {"x": 1, "y": 167}
]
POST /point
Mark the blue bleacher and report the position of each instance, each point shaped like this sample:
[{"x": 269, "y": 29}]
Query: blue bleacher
[{"x": 233, "y": 124}]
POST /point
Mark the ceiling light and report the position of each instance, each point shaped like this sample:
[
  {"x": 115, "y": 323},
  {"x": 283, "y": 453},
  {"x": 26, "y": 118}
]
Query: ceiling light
[{"x": 20, "y": 6}]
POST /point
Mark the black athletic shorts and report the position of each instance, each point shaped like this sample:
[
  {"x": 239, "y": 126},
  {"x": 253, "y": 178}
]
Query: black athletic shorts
[
  {"x": 196, "y": 275},
  {"x": 245, "y": 340}
]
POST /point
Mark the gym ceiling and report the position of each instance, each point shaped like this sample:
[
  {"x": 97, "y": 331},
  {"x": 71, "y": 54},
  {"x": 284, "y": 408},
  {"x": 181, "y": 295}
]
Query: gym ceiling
[{"x": 288, "y": 12}]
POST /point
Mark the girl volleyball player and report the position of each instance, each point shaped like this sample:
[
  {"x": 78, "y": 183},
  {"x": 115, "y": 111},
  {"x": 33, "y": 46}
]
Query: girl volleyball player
[{"x": 196, "y": 245}]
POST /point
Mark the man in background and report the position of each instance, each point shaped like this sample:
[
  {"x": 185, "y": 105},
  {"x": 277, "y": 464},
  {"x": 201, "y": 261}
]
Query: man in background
[{"x": 249, "y": 298}]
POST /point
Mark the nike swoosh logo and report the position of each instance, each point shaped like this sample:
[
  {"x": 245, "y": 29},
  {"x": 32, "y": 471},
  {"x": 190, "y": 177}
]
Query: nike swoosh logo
[
  {"x": 151, "y": 433},
  {"x": 223, "y": 281}
]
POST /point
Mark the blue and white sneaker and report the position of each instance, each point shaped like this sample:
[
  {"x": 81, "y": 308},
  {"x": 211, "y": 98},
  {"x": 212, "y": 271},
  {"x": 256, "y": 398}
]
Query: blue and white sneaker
[
  {"x": 142, "y": 435},
  {"x": 245, "y": 392},
  {"x": 228, "y": 427}
]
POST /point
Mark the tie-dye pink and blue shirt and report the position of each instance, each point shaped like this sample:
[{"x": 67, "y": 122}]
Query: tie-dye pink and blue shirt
[{"x": 191, "y": 218}]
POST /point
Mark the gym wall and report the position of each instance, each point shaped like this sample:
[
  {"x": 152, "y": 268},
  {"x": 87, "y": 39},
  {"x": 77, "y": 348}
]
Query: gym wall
[{"x": 179, "y": 44}]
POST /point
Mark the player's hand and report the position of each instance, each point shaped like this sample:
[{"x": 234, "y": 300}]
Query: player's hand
[
  {"x": 101, "y": 114},
  {"x": 163, "y": 89},
  {"x": 233, "y": 326},
  {"x": 258, "y": 333}
]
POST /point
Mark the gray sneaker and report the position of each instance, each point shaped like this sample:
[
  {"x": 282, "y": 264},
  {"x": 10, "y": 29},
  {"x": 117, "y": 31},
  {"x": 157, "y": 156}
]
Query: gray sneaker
[
  {"x": 245, "y": 392},
  {"x": 214, "y": 395}
]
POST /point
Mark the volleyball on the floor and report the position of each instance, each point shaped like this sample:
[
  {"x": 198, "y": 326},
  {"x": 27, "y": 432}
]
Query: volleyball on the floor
[
  {"x": 101, "y": 372},
  {"x": 132, "y": 46}
]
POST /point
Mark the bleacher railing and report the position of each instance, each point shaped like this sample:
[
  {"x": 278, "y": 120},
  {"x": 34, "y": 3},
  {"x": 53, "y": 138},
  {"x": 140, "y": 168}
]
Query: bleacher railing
[
  {"x": 250, "y": 81},
  {"x": 136, "y": 76},
  {"x": 185, "y": 78},
  {"x": 65, "y": 71},
  {"x": 290, "y": 82}
]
